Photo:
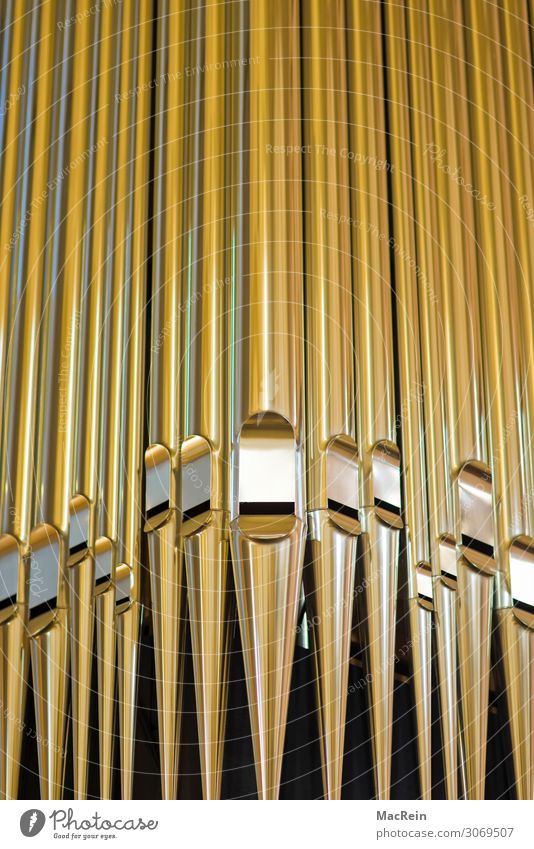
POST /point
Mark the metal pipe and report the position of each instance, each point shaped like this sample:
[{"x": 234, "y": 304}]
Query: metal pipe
[
  {"x": 47, "y": 597},
  {"x": 105, "y": 260},
  {"x": 162, "y": 458},
  {"x": 331, "y": 453},
  {"x": 268, "y": 523},
  {"x": 128, "y": 571},
  {"x": 206, "y": 406},
  {"x": 77, "y": 265},
  {"x": 19, "y": 416},
  {"x": 380, "y": 496},
  {"x": 406, "y": 255}
]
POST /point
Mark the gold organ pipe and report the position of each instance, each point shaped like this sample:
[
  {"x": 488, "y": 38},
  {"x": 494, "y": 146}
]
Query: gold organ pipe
[
  {"x": 104, "y": 289},
  {"x": 162, "y": 457},
  {"x": 268, "y": 529},
  {"x": 420, "y": 597},
  {"x": 499, "y": 310},
  {"x": 373, "y": 331},
  {"x": 78, "y": 245},
  {"x": 332, "y": 458},
  {"x": 55, "y": 443},
  {"x": 467, "y": 444},
  {"x": 436, "y": 425},
  {"x": 18, "y": 435},
  {"x": 499, "y": 300},
  {"x": 431, "y": 259},
  {"x": 18, "y": 38},
  {"x": 444, "y": 265},
  {"x": 517, "y": 92},
  {"x": 128, "y": 571},
  {"x": 120, "y": 200},
  {"x": 207, "y": 398},
  {"x": 341, "y": 258},
  {"x": 112, "y": 457},
  {"x": 516, "y": 624}
]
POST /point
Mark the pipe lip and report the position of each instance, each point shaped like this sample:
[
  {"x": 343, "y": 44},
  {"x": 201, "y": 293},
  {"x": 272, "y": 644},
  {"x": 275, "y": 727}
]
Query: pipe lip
[
  {"x": 161, "y": 485},
  {"x": 156, "y": 522},
  {"x": 13, "y": 612},
  {"x": 79, "y": 556},
  {"x": 346, "y": 524},
  {"x": 386, "y": 516},
  {"x": 267, "y": 528},
  {"x": 477, "y": 559},
  {"x": 44, "y": 622},
  {"x": 199, "y": 524}
]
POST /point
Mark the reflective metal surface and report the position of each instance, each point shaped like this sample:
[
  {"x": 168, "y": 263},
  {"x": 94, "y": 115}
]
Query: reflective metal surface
[{"x": 267, "y": 399}]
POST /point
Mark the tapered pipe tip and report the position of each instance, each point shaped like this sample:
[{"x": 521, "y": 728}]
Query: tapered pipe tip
[
  {"x": 267, "y": 577},
  {"x": 475, "y": 592},
  {"x": 329, "y": 583}
]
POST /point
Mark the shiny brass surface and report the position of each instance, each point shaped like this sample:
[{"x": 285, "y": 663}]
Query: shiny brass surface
[
  {"x": 267, "y": 398},
  {"x": 375, "y": 374},
  {"x": 517, "y": 645},
  {"x": 267, "y": 578},
  {"x": 516, "y": 636},
  {"x": 164, "y": 404},
  {"x": 412, "y": 389},
  {"x": 19, "y": 419},
  {"x": 134, "y": 283},
  {"x": 332, "y": 461},
  {"x": 474, "y": 629},
  {"x": 457, "y": 400},
  {"x": 207, "y": 397},
  {"x": 107, "y": 258},
  {"x": 53, "y": 459},
  {"x": 81, "y": 574},
  {"x": 211, "y": 617},
  {"x": 105, "y": 657},
  {"x": 267, "y": 376},
  {"x": 49, "y": 657},
  {"x": 168, "y": 612},
  {"x": 329, "y": 583},
  {"x": 379, "y": 554},
  {"x": 506, "y": 370}
]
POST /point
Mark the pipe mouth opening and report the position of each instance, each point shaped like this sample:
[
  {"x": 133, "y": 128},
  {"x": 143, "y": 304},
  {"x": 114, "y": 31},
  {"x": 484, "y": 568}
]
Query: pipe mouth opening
[
  {"x": 342, "y": 483},
  {"x": 476, "y": 515},
  {"x": 266, "y": 476},
  {"x": 42, "y": 585},
  {"x": 424, "y": 585},
  {"x": 521, "y": 565},
  {"x": 386, "y": 465},
  {"x": 103, "y": 564},
  {"x": 158, "y": 486},
  {"x": 196, "y": 459},
  {"x": 79, "y": 529},
  {"x": 448, "y": 554},
  {"x": 124, "y": 586}
]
